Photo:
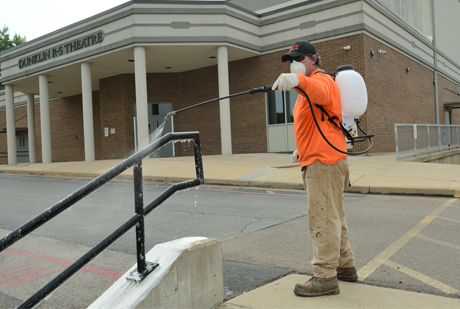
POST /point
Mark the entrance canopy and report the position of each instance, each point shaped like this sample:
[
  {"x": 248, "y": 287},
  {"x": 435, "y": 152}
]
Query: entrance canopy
[
  {"x": 452, "y": 105},
  {"x": 3, "y": 130},
  {"x": 65, "y": 80}
]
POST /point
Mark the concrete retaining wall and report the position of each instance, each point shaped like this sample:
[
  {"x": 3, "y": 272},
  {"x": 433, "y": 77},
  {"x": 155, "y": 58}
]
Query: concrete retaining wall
[
  {"x": 189, "y": 276},
  {"x": 444, "y": 157}
]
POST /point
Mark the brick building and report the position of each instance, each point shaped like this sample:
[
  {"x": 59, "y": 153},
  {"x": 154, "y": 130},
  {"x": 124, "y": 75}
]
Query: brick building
[{"x": 96, "y": 89}]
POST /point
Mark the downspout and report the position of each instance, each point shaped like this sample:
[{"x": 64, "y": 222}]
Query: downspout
[{"x": 435, "y": 57}]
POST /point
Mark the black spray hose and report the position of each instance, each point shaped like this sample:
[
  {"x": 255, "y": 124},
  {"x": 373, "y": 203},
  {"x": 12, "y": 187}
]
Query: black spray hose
[
  {"x": 324, "y": 137},
  {"x": 269, "y": 88},
  {"x": 251, "y": 91}
]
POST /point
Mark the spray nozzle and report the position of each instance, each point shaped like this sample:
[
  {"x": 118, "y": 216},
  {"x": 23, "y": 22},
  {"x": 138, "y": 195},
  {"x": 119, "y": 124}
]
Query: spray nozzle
[
  {"x": 260, "y": 89},
  {"x": 169, "y": 115}
]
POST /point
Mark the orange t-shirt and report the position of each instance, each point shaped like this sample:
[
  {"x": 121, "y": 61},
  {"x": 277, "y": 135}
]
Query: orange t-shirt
[{"x": 322, "y": 90}]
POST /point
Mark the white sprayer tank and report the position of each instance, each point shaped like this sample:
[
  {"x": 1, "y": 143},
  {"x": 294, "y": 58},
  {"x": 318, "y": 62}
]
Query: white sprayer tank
[{"x": 353, "y": 94}]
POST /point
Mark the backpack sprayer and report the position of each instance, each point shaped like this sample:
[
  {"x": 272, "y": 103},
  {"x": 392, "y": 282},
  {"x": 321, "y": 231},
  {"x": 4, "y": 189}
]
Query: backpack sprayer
[
  {"x": 353, "y": 96},
  {"x": 353, "y": 101}
]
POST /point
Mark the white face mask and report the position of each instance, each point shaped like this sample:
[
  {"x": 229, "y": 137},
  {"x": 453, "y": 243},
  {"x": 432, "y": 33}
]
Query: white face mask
[{"x": 298, "y": 67}]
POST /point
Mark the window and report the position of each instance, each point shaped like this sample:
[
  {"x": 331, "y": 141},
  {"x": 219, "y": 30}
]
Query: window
[
  {"x": 277, "y": 105},
  {"x": 159, "y": 108}
]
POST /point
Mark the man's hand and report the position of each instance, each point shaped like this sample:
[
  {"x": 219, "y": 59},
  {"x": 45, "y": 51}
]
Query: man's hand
[
  {"x": 295, "y": 157},
  {"x": 286, "y": 81}
]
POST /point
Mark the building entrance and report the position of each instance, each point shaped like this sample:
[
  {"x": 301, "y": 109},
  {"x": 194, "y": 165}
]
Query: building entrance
[
  {"x": 156, "y": 115},
  {"x": 280, "y": 120},
  {"x": 22, "y": 148}
]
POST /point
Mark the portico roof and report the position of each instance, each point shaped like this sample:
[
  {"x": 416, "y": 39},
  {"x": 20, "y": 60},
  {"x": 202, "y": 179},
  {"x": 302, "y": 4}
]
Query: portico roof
[
  {"x": 65, "y": 80},
  {"x": 452, "y": 105}
]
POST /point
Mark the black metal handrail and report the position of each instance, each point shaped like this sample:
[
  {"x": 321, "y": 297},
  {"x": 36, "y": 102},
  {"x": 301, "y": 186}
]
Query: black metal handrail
[{"x": 143, "y": 267}]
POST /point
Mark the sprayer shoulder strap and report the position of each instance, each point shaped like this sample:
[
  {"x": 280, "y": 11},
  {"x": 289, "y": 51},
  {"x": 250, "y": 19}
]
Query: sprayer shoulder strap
[
  {"x": 333, "y": 120},
  {"x": 323, "y": 72}
]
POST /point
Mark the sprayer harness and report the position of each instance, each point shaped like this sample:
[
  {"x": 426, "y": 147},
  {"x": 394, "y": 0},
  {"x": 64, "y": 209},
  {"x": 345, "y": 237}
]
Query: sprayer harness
[{"x": 334, "y": 118}]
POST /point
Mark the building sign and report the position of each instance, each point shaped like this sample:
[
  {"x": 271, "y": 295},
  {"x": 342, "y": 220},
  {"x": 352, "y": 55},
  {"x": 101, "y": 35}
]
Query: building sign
[{"x": 64, "y": 49}]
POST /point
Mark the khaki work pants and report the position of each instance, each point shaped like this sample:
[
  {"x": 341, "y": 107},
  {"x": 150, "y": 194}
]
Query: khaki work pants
[{"x": 324, "y": 185}]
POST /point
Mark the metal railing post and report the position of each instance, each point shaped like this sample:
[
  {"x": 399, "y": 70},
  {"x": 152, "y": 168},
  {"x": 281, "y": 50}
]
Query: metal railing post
[
  {"x": 457, "y": 135},
  {"x": 139, "y": 208},
  {"x": 198, "y": 159},
  {"x": 396, "y": 141},
  {"x": 439, "y": 137},
  {"x": 428, "y": 133},
  {"x": 143, "y": 267}
]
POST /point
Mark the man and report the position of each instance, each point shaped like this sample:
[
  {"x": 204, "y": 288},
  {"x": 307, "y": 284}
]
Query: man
[{"x": 324, "y": 170}]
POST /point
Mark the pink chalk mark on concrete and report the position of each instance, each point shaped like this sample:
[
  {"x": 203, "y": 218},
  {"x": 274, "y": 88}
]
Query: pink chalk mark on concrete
[
  {"x": 24, "y": 272},
  {"x": 17, "y": 267},
  {"x": 34, "y": 276},
  {"x": 91, "y": 269},
  {"x": 10, "y": 274}
]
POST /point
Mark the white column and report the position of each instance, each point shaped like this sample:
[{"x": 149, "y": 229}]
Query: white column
[
  {"x": 140, "y": 72},
  {"x": 45, "y": 118},
  {"x": 31, "y": 128},
  {"x": 10, "y": 125},
  {"x": 224, "y": 105},
  {"x": 87, "y": 97}
]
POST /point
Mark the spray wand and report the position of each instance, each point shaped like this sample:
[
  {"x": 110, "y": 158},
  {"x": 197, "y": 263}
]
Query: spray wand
[
  {"x": 250, "y": 91},
  {"x": 269, "y": 88}
]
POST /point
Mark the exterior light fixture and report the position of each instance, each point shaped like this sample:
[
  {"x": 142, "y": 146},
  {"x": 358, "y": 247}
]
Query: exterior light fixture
[
  {"x": 348, "y": 47},
  {"x": 372, "y": 53},
  {"x": 407, "y": 70}
]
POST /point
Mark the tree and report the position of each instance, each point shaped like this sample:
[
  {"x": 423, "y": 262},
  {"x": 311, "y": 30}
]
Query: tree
[{"x": 6, "y": 42}]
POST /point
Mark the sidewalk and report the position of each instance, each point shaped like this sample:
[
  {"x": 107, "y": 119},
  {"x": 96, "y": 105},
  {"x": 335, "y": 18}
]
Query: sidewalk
[
  {"x": 379, "y": 173},
  {"x": 279, "y": 294}
]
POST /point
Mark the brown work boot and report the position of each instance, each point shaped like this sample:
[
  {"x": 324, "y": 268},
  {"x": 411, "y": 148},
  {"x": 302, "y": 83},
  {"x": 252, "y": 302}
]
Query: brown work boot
[
  {"x": 347, "y": 274},
  {"x": 318, "y": 287}
]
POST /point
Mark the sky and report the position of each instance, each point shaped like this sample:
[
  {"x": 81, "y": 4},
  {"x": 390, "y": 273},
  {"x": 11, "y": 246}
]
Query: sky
[{"x": 34, "y": 18}]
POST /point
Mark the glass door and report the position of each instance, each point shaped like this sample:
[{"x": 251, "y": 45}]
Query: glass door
[{"x": 280, "y": 121}]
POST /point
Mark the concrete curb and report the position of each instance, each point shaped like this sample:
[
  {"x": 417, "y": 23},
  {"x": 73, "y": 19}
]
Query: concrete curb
[
  {"x": 404, "y": 191},
  {"x": 256, "y": 184}
]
